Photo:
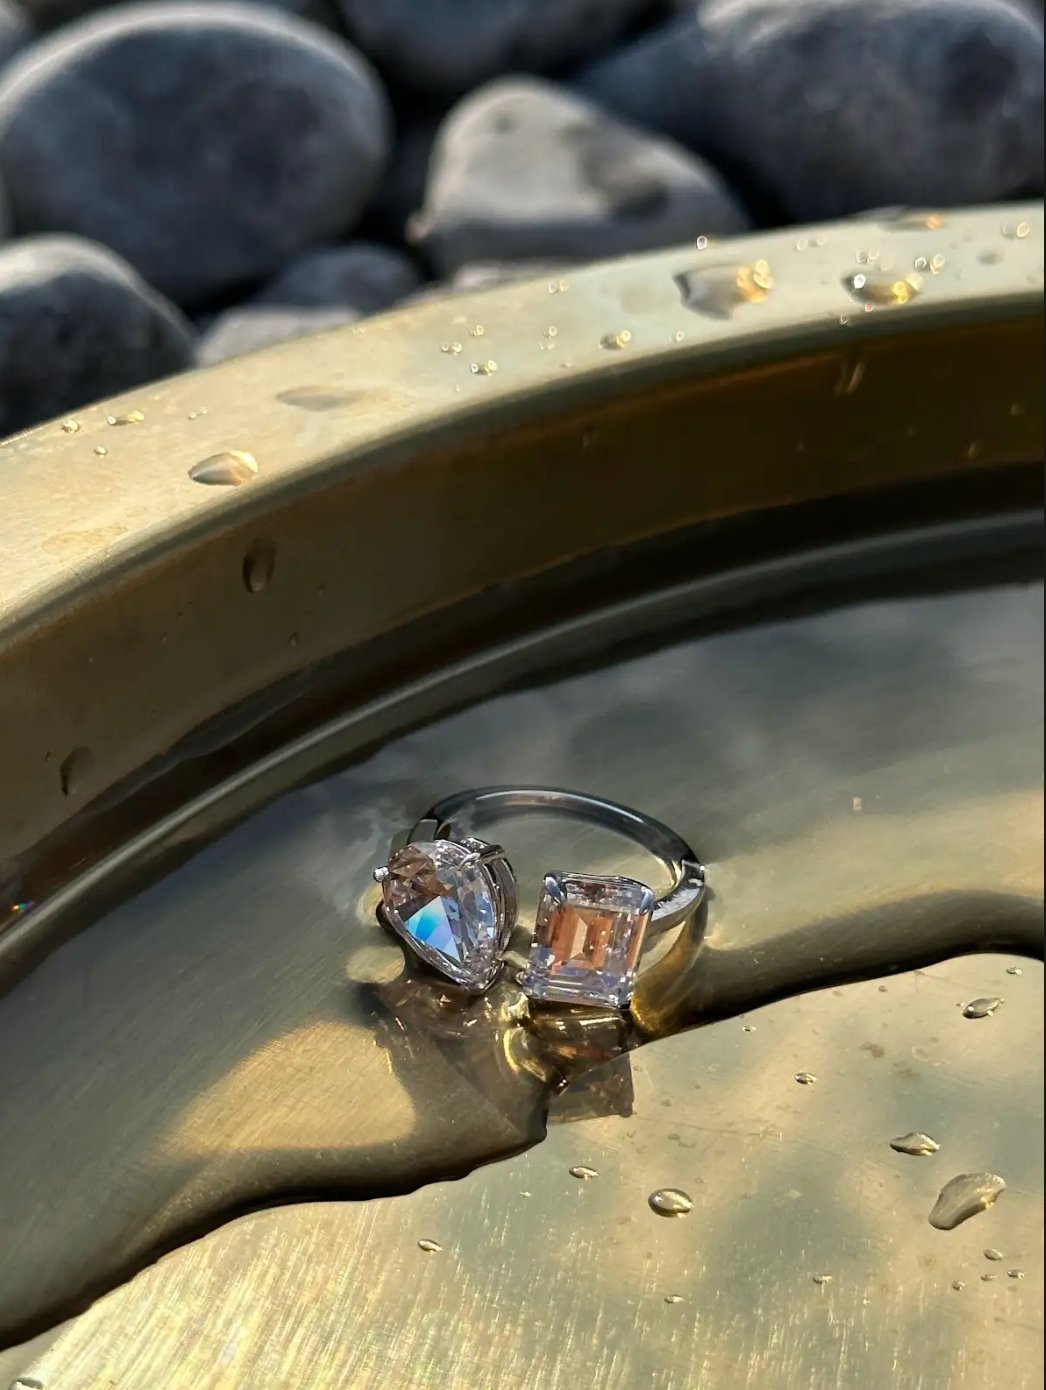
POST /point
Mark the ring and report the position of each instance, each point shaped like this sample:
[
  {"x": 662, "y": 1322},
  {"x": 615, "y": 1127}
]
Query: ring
[{"x": 452, "y": 899}]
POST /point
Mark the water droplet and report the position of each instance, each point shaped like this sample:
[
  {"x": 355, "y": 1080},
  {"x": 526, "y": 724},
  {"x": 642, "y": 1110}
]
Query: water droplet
[
  {"x": 958, "y": 1285},
  {"x": 716, "y": 291},
  {"x": 670, "y": 1201},
  {"x": 525, "y": 1193},
  {"x": 73, "y": 770},
  {"x": 747, "y": 1027},
  {"x": 851, "y": 374},
  {"x": 857, "y": 804},
  {"x": 866, "y": 257},
  {"x": 101, "y": 450},
  {"x": 755, "y": 282},
  {"x": 70, "y": 426},
  {"x": 822, "y": 1278},
  {"x": 614, "y": 342},
  {"x": 981, "y": 1008},
  {"x": 582, "y": 1171},
  {"x": 916, "y": 1143},
  {"x": 934, "y": 264},
  {"x": 988, "y": 1278},
  {"x": 882, "y": 288},
  {"x": 258, "y": 565},
  {"x": 27, "y": 1383},
  {"x": 674, "y": 1298},
  {"x": 1014, "y": 970},
  {"x": 430, "y": 1247},
  {"x": 992, "y": 1254},
  {"x": 701, "y": 243},
  {"x": 228, "y": 469},
  {"x": 487, "y": 368},
  {"x": 195, "y": 414},
  {"x": 558, "y": 286},
  {"x": 964, "y": 1196},
  {"x": 451, "y": 349},
  {"x": 990, "y": 257},
  {"x": 133, "y": 417},
  {"x": 316, "y": 398},
  {"x": 1016, "y": 231},
  {"x": 678, "y": 336},
  {"x": 1015, "y": 1274},
  {"x": 805, "y": 1078},
  {"x": 477, "y": 330}
]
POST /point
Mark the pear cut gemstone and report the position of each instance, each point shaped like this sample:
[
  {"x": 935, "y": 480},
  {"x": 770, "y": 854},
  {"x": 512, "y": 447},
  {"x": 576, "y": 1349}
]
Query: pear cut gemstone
[{"x": 443, "y": 902}]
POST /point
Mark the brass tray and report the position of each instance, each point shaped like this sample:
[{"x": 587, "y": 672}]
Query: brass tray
[{"x": 745, "y": 533}]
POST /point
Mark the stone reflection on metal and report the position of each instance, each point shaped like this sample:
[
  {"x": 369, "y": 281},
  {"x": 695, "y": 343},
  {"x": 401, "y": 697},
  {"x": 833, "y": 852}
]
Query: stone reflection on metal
[{"x": 790, "y": 1200}]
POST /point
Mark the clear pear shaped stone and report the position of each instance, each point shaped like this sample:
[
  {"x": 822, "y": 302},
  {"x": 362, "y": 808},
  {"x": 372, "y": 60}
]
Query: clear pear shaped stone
[{"x": 442, "y": 901}]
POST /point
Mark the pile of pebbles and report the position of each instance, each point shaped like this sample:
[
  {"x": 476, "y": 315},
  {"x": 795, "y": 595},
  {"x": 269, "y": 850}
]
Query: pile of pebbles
[{"x": 184, "y": 182}]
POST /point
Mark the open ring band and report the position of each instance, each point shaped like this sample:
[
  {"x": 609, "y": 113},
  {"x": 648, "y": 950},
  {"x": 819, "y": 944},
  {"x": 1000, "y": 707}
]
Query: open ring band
[{"x": 452, "y": 899}]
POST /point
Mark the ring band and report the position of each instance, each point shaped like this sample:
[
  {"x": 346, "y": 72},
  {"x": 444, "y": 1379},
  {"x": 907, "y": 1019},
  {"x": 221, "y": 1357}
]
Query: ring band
[{"x": 452, "y": 899}]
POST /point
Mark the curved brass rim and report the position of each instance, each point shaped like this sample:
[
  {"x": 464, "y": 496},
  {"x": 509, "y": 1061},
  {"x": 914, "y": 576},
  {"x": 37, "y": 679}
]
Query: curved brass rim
[{"x": 386, "y": 471}]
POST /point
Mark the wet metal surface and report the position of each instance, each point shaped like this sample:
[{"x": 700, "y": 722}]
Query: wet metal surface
[
  {"x": 242, "y": 1033},
  {"x": 859, "y": 762},
  {"x": 542, "y": 1279}
]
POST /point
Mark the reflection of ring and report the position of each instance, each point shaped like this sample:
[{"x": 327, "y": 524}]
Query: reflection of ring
[{"x": 452, "y": 899}]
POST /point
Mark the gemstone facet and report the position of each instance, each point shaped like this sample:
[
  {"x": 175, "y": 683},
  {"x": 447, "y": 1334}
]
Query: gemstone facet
[
  {"x": 448, "y": 907},
  {"x": 587, "y": 940}
]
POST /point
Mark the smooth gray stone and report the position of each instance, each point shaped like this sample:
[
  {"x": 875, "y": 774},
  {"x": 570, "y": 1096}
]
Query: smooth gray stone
[
  {"x": 827, "y": 107},
  {"x": 49, "y": 14},
  {"x": 250, "y": 328},
  {"x": 76, "y": 325},
  {"x": 206, "y": 143},
  {"x": 360, "y": 276},
  {"x": 447, "y": 47},
  {"x": 524, "y": 170},
  {"x": 15, "y": 29}
]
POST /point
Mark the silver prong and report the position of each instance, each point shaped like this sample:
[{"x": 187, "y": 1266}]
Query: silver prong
[
  {"x": 648, "y": 901},
  {"x": 381, "y": 873},
  {"x": 554, "y": 890},
  {"x": 489, "y": 854}
]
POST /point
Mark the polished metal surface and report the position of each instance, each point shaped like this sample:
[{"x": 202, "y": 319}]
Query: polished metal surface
[
  {"x": 392, "y": 482},
  {"x": 218, "y": 703},
  {"x": 544, "y": 1281},
  {"x": 847, "y": 760},
  {"x": 456, "y": 815}
]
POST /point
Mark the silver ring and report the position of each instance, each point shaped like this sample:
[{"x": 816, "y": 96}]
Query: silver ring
[{"x": 452, "y": 899}]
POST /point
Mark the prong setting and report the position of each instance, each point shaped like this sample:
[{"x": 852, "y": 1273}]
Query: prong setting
[
  {"x": 587, "y": 940},
  {"x": 554, "y": 889},
  {"x": 453, "y": 902}
]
